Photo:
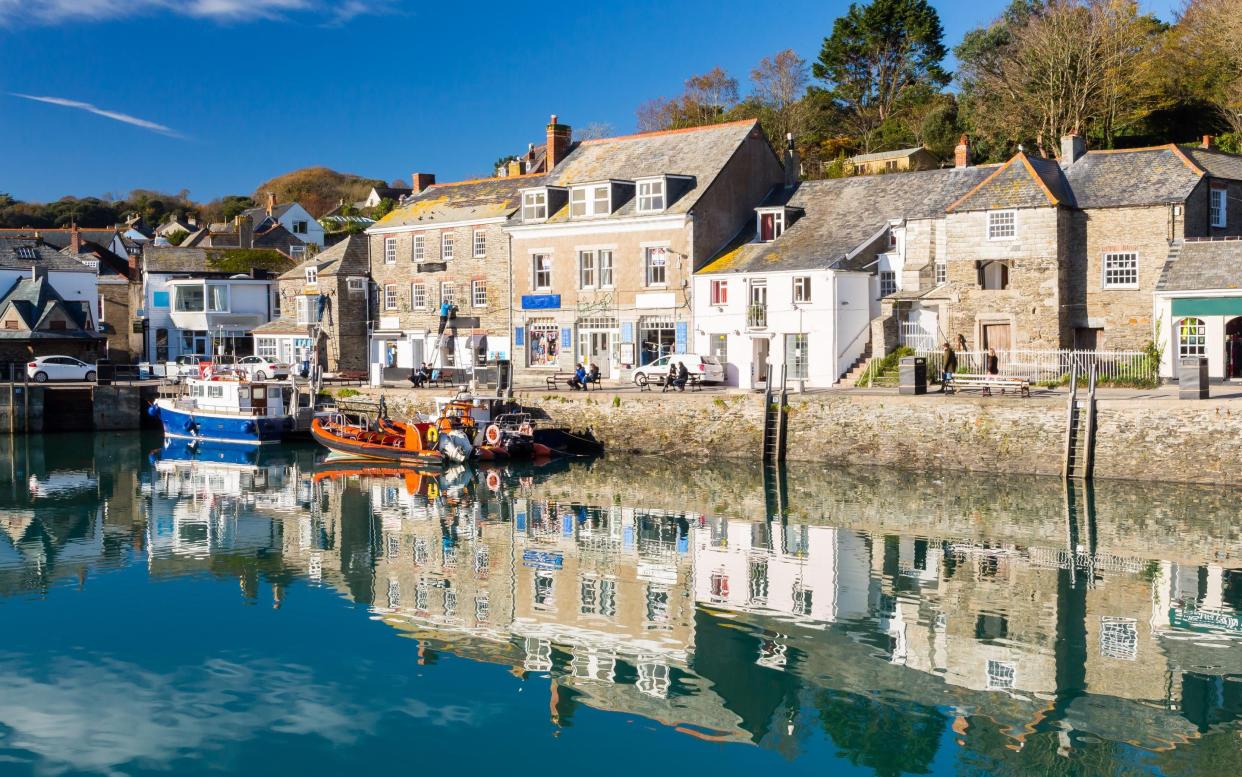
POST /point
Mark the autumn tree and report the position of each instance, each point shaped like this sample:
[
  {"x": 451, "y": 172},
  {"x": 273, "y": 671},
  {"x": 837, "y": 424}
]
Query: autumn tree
[
  {"x": 706, "y": 99},
  {"x": 876, "y": 55},
  {"x": 779, "y": 81},
  {"x": 1207, "y": 54}
]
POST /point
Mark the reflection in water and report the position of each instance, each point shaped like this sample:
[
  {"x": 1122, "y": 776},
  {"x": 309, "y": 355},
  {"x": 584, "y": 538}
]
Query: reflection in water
[{"x": 905, "y": 624}]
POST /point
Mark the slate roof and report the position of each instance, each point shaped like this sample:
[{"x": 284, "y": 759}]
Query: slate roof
[
  {"x": 259, "y": 214},
  {"x": 35, "y": 300},
  {"x": 698, "y": 152},
  {"x": 1204, "y": 264},
  {"x": 60, "y": 238},
  {"x": 1022, "y": 182},
  {"x": 282, "y": 326},
  {"x": 390, "y": 193},
  {"x": 1215, "y": 163},
  {"x": 211, "y": 261},
  {"x": 461, "y": 201},
  {"x": 348, "y": 257},
  {"x": 878, "y": 155},
  {"x": 45, "y": 256},
  {"x": 842, "y": 214},
  {"x": 1134, "y": 177}
]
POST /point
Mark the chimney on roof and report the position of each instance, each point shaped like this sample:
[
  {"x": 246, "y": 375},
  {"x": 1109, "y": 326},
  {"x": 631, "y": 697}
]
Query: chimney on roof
[
  {"x": 961, "y": 153},
  {"x": 75, "y": 239},
  {"x": 245, "y": 231},
  {"x": 192, "y": 221},
  {"x": 1207, "y": 142},
  {"x": 514, "y": 168},
  {"x": 560, "y": 136},
  {"x": 420, "y": 181},
  {"x": 530, "y": 151},
  {"x": 271, "y": 202},
  {"x": 1073, "y": 146},
  {"x": 792, "y": 167}
]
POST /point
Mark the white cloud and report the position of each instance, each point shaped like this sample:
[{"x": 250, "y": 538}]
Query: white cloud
[
  {"x": 114, "y": 115},
  {"x": 51, "y": 12}
]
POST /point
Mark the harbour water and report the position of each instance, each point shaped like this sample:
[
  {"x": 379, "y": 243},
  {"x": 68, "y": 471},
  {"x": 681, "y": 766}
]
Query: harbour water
[{"x": 285, "y": 615}]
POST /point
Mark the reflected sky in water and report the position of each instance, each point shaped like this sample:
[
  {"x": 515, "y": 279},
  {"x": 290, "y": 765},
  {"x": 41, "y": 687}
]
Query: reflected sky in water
[{"x": 223, "y": 612}]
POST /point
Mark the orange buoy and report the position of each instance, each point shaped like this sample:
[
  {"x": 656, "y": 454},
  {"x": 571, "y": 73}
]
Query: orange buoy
[{"x": 493, "y": 435}]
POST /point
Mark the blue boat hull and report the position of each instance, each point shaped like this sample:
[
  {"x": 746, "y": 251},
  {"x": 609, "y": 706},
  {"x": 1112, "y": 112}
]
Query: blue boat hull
[{"x": 211, "y": 427}]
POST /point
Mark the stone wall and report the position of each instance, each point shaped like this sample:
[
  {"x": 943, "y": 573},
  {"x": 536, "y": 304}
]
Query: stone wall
[
  {"x": 1138, "y": 439},
  {"x": 1124, "y": 314}
]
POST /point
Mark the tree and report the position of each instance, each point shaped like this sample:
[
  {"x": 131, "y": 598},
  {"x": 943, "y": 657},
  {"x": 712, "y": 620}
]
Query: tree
[
  {"x": 595, "y": 130},
  {"x": 176, "y": 236},
  {"x": 779, "y": 82},
  {"x": 875, "y": 56},
  {"x": 707, "y": 99},
  {"x": 1207, "y": 53}
]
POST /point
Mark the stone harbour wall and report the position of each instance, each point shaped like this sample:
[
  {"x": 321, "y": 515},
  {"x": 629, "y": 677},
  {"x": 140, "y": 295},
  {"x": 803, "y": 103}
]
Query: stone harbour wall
[{"x": 1137, "y": 439}]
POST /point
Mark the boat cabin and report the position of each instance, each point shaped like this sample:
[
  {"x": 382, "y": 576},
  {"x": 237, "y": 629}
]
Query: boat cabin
[{"x": 239, "y": 397}]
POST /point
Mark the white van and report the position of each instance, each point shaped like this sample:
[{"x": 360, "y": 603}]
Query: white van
[{"x": 708, "y": 368}]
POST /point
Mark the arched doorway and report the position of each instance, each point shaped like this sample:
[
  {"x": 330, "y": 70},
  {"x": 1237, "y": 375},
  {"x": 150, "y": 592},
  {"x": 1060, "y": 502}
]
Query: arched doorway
[{"x": 1233, "y": 348}]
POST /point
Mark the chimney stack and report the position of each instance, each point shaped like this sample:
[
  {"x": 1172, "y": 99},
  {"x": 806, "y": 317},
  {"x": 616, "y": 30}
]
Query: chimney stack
[
  {"x": 1207, "y": 141},
  {"x": 560, "y": 136},
  {"x": 514, "y": 168},
  {"x": 793, "y": 168},
  {"x": 1073, "y": 146},
  {"x": 271, "y": 202},
  {"x": 961, "y": 154},
  {"x": 75, "y": 239},
  {"x": 245, "y": 232},
  {"x": 420, "y": 181}
]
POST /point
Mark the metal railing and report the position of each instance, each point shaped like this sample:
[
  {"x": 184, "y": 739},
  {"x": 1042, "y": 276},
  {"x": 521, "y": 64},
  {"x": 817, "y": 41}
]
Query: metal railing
[
  {"x": 1051, "y": 365},
  {"x": 757, "y": 316},
  {"x": 916, "y": 336}
]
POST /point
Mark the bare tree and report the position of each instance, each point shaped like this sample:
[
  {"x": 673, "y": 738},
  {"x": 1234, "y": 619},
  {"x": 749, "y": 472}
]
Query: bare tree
[
  {"x": 779, "y": 82},
  {"x": 595, "y": 130}
]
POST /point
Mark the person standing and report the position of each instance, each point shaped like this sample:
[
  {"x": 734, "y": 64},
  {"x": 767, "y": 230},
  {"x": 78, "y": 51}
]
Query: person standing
[
  {"x": 991, "y": 367},
  {"x": 950, "y": 367},
  {"x": 446, "y": 308}
]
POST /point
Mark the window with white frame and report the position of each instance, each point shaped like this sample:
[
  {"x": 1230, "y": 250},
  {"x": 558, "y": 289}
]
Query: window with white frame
[
  {"x": 534, "y": 206},
  {"x": 418, "y": 296},
  {"x": 478, "y": 293},
  {"x": 1218, "y": 200},
  {"x": 651, "y": 196},
  {"x": 802, "y": 288},
  {"x": 446, "y": 246},
  {"x": 541, "y": 267},
  {"x": 888, "y": 283},
  {"x": 586, "y": 269},
  {"x": 720, "y": 292},
  {"x": 771, "y": 225},
  {"x": 1121, "y": 270},
  {"x": 356, "y": 285},
  {"x": 448, "y": 293},
  {"x": 390, "y": 296},
  {"x": 307, "y": 310},
  {"x": 390, "y": 250},
  {"x": 587, "y": 201},
  {"x": 266, "y": 347},
  {"x": 1191, "y": 338},
  {"x": 299, "y": 227},
  {"x": 1002, "y": 224},
  {"x": 1000, "y": 675},
  {"x": 604, "y": 258},
  {"x": 480, "y": 244},
  {"x": 297, "y": 253},
  {"x": 420, "y": 247},
  {"x": 942, "y": 273},
  {"x": 655, "y": 261},
  {"x": 312, "y": 276}
]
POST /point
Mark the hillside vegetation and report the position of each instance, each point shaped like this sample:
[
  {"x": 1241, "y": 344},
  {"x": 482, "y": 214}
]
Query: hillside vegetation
[{"x": 319, "y": 189}]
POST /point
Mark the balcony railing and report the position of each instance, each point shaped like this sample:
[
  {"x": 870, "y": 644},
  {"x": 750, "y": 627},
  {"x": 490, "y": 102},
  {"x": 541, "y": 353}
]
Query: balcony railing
[{"x": 757, "y": 316}]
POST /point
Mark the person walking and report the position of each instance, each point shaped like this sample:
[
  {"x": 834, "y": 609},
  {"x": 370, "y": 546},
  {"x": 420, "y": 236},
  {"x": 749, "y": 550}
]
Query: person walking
[{"x": 950, "y": 367}]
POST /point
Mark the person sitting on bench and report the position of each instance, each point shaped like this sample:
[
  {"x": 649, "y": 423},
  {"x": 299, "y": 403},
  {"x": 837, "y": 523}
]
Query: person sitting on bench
[
  {"x": 592, "y": 375},
  {"x": 418, "y": 376},
  {"x": 578, "y": 381}
]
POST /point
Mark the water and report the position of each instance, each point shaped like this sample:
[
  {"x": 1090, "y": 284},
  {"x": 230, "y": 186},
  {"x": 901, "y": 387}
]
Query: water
[{"x": 629, "y": 616}]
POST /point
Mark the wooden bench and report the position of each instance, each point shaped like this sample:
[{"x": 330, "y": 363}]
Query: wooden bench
[
  {"x": 694, "y": 381},
  {"x": 346, "y": 377},
  {"x": 565, "y": 377},
  {"x": 986, "y": 383}
]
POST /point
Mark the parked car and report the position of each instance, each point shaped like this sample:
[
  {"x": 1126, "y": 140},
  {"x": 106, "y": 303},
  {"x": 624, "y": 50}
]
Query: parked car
[
  {"x": 45, "y": 368},
  {"x": 186, "y": 366},
  {"x": 262, "y": 368},
  {"x": 708, "y": 368}
]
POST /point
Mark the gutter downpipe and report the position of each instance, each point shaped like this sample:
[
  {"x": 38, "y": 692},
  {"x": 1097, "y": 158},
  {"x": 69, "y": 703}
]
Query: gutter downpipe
[{"x": 512, "y": 332}]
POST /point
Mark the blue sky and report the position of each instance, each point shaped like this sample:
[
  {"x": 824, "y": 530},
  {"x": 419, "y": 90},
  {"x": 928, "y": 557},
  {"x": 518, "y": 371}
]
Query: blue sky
[{"x": 216, "y": 96}]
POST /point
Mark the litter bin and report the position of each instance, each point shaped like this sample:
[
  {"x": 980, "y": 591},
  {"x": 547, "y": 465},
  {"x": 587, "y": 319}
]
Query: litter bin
[
  {"x": 1192, "y": 378},
  {"x": 913, "y": 375},
  {"x": 105, "y": 372}
]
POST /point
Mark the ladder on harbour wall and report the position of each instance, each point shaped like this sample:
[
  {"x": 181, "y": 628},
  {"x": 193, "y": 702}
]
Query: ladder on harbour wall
[
  {"x": 775, "y": 419},
  {"x": 1080, "y": 428}
]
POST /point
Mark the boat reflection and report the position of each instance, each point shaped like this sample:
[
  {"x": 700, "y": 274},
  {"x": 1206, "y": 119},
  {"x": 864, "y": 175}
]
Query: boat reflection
[{"x": 894, "y": 615}]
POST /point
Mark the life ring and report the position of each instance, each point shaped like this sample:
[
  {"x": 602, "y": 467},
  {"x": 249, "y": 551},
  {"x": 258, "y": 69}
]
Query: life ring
[
  {"x": 433, "y": 490},
  {"x": 493, "y": 479},
  {"x": 433, "y": 435},
  {"x": 492, "y": 435},
  {"x": 526, "y": 430}
]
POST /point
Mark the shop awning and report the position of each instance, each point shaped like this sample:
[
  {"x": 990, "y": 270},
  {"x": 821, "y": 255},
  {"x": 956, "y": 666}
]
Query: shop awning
[{"x": 1208, "y": 306}]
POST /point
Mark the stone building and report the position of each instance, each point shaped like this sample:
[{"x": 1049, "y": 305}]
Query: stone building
[
  {"x": 899, "y": 160},
  {"x": 323, "y": 306},
  {"x": 604, "y": 248},
  {"x": 445, "y": 243}
]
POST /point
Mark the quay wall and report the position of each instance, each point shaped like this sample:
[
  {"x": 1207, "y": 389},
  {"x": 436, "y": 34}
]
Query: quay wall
[{"x": 1137, "y": 439}]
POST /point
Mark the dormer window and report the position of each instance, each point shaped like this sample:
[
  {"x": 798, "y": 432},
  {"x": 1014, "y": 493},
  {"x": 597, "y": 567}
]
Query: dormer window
[
  {"x": 535, "y": 206},
  {"x": 771, "y": 224},
  {"x": 312, "y": 276},
  {"x": 587, "y": 201},
  {"x": 651, "y": 196}
]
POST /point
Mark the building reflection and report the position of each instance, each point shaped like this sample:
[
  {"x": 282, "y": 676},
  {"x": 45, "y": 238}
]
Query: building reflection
[{"x": 1023, "y": 621}]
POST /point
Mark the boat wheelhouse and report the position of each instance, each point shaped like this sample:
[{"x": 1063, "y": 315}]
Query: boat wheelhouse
[{"x": 229, "y": 409}]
